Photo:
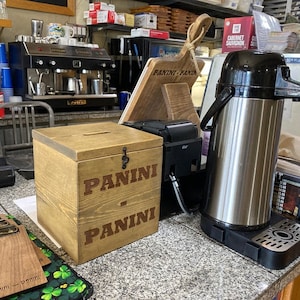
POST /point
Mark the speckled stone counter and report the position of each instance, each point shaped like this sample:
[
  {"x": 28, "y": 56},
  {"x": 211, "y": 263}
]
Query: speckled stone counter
[{"x": 177, "y": 262}]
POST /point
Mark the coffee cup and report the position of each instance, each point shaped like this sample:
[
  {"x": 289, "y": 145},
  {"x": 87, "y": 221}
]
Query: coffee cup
[
  {"x": 97, "y": 86},
  {"x": 55, "y": 30},
  {"x": 41, "y": 89},
  {"x": 24, "y": 38},
  {"x": 72, "y": 41},
  {"x": 3, "y": 56},
  {"x": 123, "y": 99},
  {"x": 68, "y": 31},
  {"x": 6, "y": 83},
  {"x": 63, "y": 41},
  {"x": 6, "y": 79}
]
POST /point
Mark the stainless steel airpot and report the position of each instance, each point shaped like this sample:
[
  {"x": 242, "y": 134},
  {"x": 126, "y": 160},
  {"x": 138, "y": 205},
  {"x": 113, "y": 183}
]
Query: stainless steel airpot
[{"x": 247, "y": 115}]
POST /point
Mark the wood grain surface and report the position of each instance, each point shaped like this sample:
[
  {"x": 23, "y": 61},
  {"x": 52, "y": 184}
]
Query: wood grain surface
[
  {"x": 146, "y": 101},
  {"x": 20, "y": 266}
]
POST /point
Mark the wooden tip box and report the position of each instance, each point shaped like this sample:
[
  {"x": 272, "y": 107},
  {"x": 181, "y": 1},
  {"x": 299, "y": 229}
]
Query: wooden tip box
[{"x": 97, "y": 186}]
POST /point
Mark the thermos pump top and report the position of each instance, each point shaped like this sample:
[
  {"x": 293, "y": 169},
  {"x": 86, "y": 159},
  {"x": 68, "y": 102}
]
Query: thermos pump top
[{"x": 247, "y": 115}]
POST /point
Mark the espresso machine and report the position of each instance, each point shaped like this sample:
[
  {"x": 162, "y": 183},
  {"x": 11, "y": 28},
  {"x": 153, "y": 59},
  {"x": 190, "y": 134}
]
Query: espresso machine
[
  {"x": 242, "y": 155},
  {"x": 65, "y": 77}
]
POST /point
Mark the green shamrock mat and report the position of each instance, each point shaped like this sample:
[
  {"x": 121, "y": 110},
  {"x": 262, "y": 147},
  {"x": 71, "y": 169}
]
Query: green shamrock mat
[{"x": 63, "y": 282}]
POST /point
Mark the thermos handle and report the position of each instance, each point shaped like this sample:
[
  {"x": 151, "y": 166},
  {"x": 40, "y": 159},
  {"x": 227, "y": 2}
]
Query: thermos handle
[
  {"x": 285, "y": 86},
  {"x": 220, "y": 102}
]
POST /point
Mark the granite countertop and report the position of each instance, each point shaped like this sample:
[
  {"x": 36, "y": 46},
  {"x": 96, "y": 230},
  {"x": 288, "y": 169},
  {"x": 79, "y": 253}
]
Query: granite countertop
[
  {"x": 177, "y": 262},
  {"x": 70, "y": 117}
]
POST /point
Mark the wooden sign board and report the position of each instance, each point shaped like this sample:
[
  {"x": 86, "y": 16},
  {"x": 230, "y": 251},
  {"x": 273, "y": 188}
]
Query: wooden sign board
[
  {"x": 20, "y": 266},
  {"x": 148, "y": 100}
]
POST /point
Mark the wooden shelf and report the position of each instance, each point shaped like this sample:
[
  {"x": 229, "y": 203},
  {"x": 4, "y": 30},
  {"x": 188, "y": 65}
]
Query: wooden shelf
[{"x": 5, "y": 23}]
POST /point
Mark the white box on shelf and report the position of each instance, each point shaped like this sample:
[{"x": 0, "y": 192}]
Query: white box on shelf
[
  {"x": 136, "y": 32},
  {"x": 98, "y": 6},
  {"x": 106, "y": 16},
  {"x": 153, "y": 33},
  {"x": 111, "y": 7},
  {"x": 103, "y": 16},
  {"x": 145, "y": 20}
]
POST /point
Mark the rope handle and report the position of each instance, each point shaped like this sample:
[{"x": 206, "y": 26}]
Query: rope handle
[{"x": 190, "y": 44}]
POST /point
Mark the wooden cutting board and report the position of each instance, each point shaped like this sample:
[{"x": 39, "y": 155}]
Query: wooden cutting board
[
  {"x": 179, "y": 103},
  {"x": 147, "y": 101},
  {"x": 20, "y": 266},
  {"x": 43, "y": 259}
]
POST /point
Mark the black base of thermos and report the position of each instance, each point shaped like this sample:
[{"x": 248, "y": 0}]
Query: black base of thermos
[{"x": 275, "y": 246}]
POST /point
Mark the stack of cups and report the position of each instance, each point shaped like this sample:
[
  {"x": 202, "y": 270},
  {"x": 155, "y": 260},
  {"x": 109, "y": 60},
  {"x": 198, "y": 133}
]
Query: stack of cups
[
  {"x": 2, "y": 111},
  {"x": 3, "y": 63},
  {"x": 5, "y": 72},
  {"x": 6, "y": 83},
  {"x": 3, "y": 57}
]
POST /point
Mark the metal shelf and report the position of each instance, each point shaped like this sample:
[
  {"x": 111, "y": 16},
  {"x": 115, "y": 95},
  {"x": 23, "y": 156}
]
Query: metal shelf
[
  {"x": 195, "y": 6},
  {"x": 127, "y": 29},
  {"x": 107, "y": 26},
  {"x": 200, "y": 7}
]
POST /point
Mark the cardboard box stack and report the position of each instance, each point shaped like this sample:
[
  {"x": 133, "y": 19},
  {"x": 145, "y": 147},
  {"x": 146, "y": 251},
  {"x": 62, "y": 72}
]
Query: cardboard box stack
[
  {"x": 162, "y": 13},
  {"x": 102, "y": 12},
  {"x": 152, "y": 21},
  {"x": 168, "y": 19},
  {"x": 153, "y": 33},
  {"x": 181, "y": 20}
]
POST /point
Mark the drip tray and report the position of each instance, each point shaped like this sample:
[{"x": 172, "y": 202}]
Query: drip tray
[
  {"x": 280, "y": 237},
  {"x": 274, "y": 246}
]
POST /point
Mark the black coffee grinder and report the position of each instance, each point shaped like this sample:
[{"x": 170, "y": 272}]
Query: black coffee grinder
[{"x": 247, "y": 115}]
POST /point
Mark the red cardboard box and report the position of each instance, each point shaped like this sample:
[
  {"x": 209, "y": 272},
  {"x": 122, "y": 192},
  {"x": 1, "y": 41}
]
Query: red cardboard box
[
  {"x": 103, "y": 16},
  {"x": 90, "y": 14},
  {"x": 159, "y": 34},
  {"x": 153, "y": 33},
  {"x": 99, "y": 6},
  {"x": 239, "y": 34}
]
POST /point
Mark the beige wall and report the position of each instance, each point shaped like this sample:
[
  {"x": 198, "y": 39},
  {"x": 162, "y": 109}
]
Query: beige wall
[
  {"x": 21, "y": 19},
  {"x": 21, "y": 22},
  {"x": 291, "y": 118}
]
